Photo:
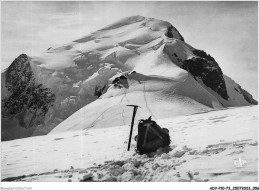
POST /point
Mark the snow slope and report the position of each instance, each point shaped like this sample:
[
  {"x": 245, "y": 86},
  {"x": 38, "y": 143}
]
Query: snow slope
[
  {"x": 205, "y": 147},
  {"x": 136, "y": 60}
]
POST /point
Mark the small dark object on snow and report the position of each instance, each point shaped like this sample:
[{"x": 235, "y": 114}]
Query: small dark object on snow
[{"x": 151, "y": 136}]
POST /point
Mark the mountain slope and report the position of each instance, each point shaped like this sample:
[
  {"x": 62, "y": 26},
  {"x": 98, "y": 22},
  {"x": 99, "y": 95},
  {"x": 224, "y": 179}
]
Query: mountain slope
[
  {"x": 136, "y": 60},
  {"x": 207, "y": 145}
]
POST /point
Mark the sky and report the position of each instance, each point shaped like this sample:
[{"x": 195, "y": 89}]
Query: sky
[{"x": 228, "y": 31}]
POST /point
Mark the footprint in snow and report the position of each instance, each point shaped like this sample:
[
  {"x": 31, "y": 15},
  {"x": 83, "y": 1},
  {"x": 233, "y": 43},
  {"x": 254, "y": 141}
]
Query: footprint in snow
[
  {"x": 220, "y": 173},
  {"x": 15, "y": 145},
  {"x": 253, "y": 144},
  {"x": 56, "y": 139},
  {"x": 216, "y": 121},
  {"x": 235, "y": 152}
]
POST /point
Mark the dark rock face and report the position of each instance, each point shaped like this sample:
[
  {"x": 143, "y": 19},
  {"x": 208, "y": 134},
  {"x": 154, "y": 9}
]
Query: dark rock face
[
  {"x": 169, "y": 32},
  {"x": 99, "y": 91},
  {"x": 248, "y": 97},
  {"x": 18, "y": 77},
  {"x": 28, "y": 101},
  {"x": 121, "y": 82},
  {"x": 207, "y": 69}
]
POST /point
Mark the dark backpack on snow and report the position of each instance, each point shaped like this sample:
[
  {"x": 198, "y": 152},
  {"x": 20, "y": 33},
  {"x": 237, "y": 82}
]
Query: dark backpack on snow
[{"x": 151, "y": 136}]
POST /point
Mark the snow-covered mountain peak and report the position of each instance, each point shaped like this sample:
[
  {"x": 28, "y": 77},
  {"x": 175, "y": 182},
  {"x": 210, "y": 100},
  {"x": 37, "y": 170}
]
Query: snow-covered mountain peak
[{"x": 88, "y": 83}]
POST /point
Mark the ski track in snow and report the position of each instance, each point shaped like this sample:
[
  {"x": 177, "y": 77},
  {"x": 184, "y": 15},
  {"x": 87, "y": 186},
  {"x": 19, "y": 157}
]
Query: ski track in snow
[{"x": 205, "y": 147}]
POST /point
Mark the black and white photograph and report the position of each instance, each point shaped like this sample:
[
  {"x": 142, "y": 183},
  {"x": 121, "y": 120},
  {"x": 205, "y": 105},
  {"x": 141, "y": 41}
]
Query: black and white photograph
[{"x": 130, "y": 91}]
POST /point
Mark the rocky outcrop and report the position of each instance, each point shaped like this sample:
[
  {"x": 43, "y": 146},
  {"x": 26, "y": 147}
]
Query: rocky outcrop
[
  {"x": 120, "y": 82},
  {"x": 204, "y": 67},
  {"x": 248, "y": 97},
  {"x": 170, "y": 33},
  {"x": 28, "y": 101}
]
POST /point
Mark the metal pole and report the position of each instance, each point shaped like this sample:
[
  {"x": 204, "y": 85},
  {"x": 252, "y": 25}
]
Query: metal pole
[{"x": 132, "y": 125}]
